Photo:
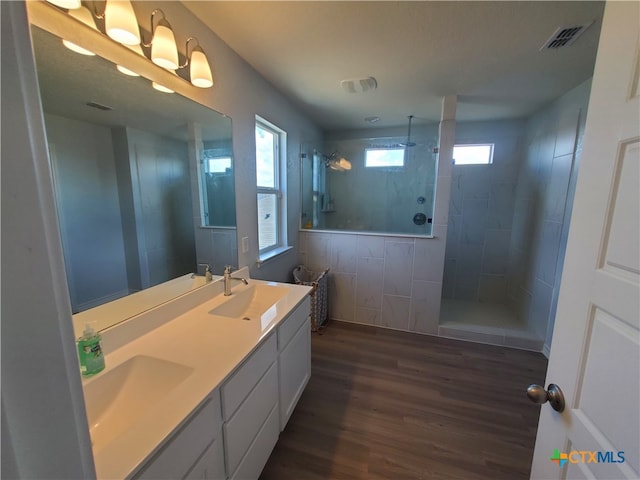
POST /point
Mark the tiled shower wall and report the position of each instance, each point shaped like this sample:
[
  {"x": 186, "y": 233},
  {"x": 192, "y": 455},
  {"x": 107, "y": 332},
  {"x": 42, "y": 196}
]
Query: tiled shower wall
[
  {"x": 543, "y": 200},
  {"x": 387, "y": 281},
  {"x": 391, "y": 281},
  {"x": 481, "y": 213}
]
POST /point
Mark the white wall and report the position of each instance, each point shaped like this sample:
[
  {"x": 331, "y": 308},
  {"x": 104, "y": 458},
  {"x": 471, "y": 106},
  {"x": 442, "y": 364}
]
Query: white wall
[
  {"x": 86, "y": 186},
  {"x": 44, "y": 426},
  {"x": 161, "y": 185}
]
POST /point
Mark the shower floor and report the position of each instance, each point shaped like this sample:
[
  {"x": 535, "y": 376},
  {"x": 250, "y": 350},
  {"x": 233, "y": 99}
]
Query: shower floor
[{"x": 485, "y": 323}]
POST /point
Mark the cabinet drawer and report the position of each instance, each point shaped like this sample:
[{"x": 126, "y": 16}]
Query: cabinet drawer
[
  {"x": 260, "y": 450},
  {"x": 235, "y": 390},
  {"x": 185, "y": 447},
  {"x": 290, "y": 326},
  {"x": 240, "y": 431}
]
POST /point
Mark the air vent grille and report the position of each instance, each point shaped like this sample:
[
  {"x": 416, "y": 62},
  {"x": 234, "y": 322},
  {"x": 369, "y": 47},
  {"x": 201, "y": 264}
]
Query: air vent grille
[
  {"x": 99, "y": 106},
  {"x": 564, "y": 36},
  {"x": 359, "y": 85}
]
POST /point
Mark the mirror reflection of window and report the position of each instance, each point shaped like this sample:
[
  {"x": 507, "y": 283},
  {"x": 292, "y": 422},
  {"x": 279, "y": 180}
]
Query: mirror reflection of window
[
  {"x": 218, "y": 185},
  {"x": 218, "y": 165}
]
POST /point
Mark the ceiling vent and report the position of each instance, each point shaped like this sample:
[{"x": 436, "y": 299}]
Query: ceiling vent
[
  {"x": 359, "y": 85},
  {"x": 564, "y": 36},
  {"x": 99, "y": 106}
]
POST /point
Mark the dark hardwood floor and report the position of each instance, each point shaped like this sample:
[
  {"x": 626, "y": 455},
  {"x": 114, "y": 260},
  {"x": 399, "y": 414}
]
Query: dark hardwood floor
[{"x": 392, "y": 405}]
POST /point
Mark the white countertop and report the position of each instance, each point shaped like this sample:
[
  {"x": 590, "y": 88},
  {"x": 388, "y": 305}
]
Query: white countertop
[{"x": 212, "y": 345}]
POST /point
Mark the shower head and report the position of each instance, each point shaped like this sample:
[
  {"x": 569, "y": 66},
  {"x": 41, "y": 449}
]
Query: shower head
[{"x": 409, "y": 143}]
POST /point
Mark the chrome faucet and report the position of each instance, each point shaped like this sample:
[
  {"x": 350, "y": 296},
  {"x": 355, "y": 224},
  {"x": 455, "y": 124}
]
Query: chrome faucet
[
  {"x": 208, "y": 276},
  {"x": 228, "y": 278}
]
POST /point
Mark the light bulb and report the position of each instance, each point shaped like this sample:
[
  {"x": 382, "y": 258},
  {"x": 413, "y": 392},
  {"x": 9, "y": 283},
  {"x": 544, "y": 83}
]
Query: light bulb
[
  {"x": 163, "y": 46},
  {"x": 200, "y": 72},
  {"x": 121, "y": 23}
]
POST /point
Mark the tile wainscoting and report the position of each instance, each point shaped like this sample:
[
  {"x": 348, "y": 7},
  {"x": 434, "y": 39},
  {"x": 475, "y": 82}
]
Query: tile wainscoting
[{"x": 393, "y": 282}]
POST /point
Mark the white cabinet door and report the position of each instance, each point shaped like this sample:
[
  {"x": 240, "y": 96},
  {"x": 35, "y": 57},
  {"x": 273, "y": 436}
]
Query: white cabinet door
[
  {"x": 210, "y": 466},
  {"x": 294, "y": 369},
  {"x": 241, "y": 430},
  {"x": 258, "y": 454},
  {"x": 186, "y": 449}
]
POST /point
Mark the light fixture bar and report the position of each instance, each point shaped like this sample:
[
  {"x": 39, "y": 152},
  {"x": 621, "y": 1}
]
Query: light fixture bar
[
  {"x": 68, "y": 4},
  {"x": 83, "y": 15}
]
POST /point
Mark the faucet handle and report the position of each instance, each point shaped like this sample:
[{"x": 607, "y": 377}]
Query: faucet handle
[{"x": 228, "y": 269}]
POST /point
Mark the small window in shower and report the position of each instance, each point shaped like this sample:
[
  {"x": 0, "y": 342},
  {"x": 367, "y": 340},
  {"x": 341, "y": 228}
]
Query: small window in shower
[
  {"x": 477, "y": 154},
  {"x": 384, "y": 157}
]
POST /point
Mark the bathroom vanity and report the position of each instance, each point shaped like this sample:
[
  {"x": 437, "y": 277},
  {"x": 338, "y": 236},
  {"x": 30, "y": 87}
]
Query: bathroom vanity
[{"x": 201, "y": 387}]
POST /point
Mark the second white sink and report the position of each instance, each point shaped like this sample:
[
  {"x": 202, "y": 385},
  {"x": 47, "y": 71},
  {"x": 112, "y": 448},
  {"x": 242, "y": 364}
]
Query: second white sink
[
  {"x": 116, "y": 399},
  {"x": 251, "y": 302}
]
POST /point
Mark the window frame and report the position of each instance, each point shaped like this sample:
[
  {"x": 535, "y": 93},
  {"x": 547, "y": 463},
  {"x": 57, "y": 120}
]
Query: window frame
[
  {"x": 491, "y": 153},
  {"x": 279, "y": 148}
]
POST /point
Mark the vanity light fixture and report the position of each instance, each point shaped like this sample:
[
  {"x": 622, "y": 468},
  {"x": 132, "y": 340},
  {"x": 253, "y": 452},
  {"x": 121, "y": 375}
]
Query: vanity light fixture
[
  {"x": 126, "y": 71},
  {"x": 69, "y": 4},
  {"x": 199, "y": 69},
  {"x": 120, "y": 22},
  {"x": 84, "y": 15},
  {"x": 121, "y": 25},
  {"x": 164, "y": 51}
]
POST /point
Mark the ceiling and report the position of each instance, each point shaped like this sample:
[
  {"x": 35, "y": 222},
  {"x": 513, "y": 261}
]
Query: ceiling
[{"x": 487, "y": 53}]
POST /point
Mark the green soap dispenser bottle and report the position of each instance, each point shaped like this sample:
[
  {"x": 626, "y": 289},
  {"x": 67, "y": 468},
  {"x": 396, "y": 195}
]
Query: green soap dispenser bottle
[{"x": 90, "y": 352}]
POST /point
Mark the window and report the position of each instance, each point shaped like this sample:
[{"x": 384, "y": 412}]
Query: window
[
  {"x": 216, "y": 183},
  {"x": 271, "y": 218},
  {"x": 384, "y": 157},
  {"x": 479, "y": 154},
  {"x": 217, "y": 165}
]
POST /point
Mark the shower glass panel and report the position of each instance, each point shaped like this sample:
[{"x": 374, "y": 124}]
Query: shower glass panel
[{"x": 385, "y": 186}]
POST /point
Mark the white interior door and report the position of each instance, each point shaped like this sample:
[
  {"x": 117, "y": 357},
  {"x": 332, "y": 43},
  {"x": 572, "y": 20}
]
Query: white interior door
[{"x": 595, "y": 354}]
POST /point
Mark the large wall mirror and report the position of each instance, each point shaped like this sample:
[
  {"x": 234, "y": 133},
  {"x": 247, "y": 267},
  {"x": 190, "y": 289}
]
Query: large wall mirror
[{"x": 138, "y": 175}]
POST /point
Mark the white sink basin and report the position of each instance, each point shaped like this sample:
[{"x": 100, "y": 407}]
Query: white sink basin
[
  {"x": 118, "y": 398},
  {"x": 252, "y": 302}
]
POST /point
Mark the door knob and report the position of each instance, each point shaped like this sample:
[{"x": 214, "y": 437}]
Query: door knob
[{"x": 553, "y": 394}]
